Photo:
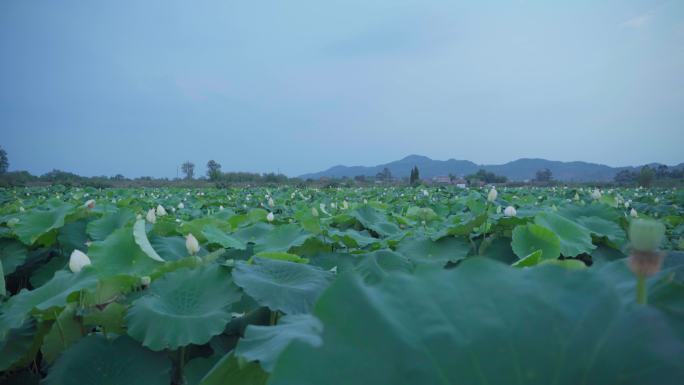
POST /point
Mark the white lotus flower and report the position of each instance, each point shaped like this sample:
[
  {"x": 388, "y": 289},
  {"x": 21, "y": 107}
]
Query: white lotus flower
[
  {"x": 191, "y": 244},
  {"x": 576, "y": 197},
  {"x": 426, "y": 193},
  {"x": 270, "y": 217},
  {"x": 151, "y": 217},
  {"x": 492, "y": 195},
  {"x": 656, "y": 200},
  {"x": 633, "y": 213},
  {"x": 181, "y": 205},
  {"x": 160, "y": 211},
  {"x": 596, "y": 194},
  {"x": 90, "y": 204},
  {"x": 510, "y": 211},
  {"x": 78, "y": 261}
]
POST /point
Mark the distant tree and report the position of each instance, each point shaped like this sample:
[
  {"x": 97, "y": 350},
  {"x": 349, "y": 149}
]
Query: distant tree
[
  {"x": 188, "y": 169},
  {"x": 452, "y": 177},
  {"x": 486, "y": 177},
  {"x": 385, "y": 175},
  {"x": 645, "y": 176},
  {"x": 544, "y": 175},
  {"x": 118, "y": 177},
  {"x": 360, "y": 178},
  {"x": 414, "y": 179},
  {"x": 213, "y": 170},
  {"x": 625, "y": 176},
  {"x": 662, "y": 171},
  {"x": 4, "y": 162}
]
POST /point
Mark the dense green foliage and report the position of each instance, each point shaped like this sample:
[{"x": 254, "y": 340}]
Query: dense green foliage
[{"x": 380, "y": 285}]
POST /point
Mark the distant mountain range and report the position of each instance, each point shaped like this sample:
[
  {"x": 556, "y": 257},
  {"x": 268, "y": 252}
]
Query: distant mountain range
[{"x": 517, "y": 170}]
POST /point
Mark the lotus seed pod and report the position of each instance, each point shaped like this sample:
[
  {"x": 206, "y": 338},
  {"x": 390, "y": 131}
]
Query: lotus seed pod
[
  {"x": 491, "y": 197},
  {"x": 270, "y": 217},
  {"x": 151, "y": 216},
  {"x": 191, "y": 244},
  {"x": 160, "y": 211},
  {"x": 510, "y": 211},
  {"x": 78, "y": 261}
]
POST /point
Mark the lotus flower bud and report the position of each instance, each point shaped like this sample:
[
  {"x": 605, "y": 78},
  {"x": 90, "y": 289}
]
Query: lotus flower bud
[
  {"x": 22, "y": 209},
  {"x": 646, "y": 235},
  {"x": 139, "y": 216},
  {"x": 271, "y": 202},
  {"x": 656, "y": 200},
  {"x": 314, "y": 212},
  {"x": 498, "y": 209},
  {"x": 345, "y": 205},
  {"x": 365, "y": 201},
  {"x": 633, "y": 213},
  {"x": 78, "y": 261},
  {"x": 221, "y": 208},
  {"x": 596, "y": 194},
  {"x": 191, "y": 244},
  {"x": 626, "y": 204},
  {"x": 90, "y": 204},
  {"x": 145, "y": 281},
  {"x": 491, "y": 197},
  {"x": 181, "y": 205},
  {"x": 151, "y": 217},
  {"x": 270, "y": 217},
  {"x": 510, "y": 211},
  {"x": 426, "y": 193},
  {"x": 160, "y": 211}
]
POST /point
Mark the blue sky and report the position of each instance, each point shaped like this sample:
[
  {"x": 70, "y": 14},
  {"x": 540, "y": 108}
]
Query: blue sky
[{"x": 137, "y": 87}]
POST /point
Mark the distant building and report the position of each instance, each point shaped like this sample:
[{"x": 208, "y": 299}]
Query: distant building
[{"x": 446, "y": 179}]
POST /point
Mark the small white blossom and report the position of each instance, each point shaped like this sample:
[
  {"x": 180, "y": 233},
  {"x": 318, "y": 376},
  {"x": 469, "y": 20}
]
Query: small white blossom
[
  {"x": 78, "y": 261},
  {"x": 633, "y": 213},
  {"x": 270, "y": 217},
  {"x": 510, "y": 211},
  {"x": 160, "y": 211},
  {"x": 191, "y": 244},
  {"x": 491, "y": 197},
  {"x": 151, "y": 216}
]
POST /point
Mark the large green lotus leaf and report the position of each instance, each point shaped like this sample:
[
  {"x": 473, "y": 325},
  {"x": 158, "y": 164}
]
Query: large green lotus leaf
[
  {"x": 215, "y": 235},
  {"x": 284, "y": 286},
  {"x": 94, "y": 360},
  {"x": 377, "y": 265},
  {"x": 282, "y": 238},
  {"x": 183, "y": 307},
  {"x": 99, "y": 229},
  {"x": 73, "y": 236},
  {"x": 574, "y": 239},
  {"x": 110, "y": 319},
  {"x": 140, "y": 238},
  {"x": 37, "y": 223},
  {"x": 265, "y": 343},
  {"x": 376, "y": 220},
  {"x": 12, "y": 255},
  {"x": 447, "y": 249},
  {"x": 574, "y": 212},
  {"x": 64, "y": 332},
  {"x": 604, "y": 228},
  {"x": 52, "y": 294},
  {"x": 3, "y": 289},
  {"x": 197, "y": 368},
  {"x": 16, "y": 344},
  {"x": 459, "y": 225},
  {"x": 529, "y": 238},
  {"x": 485, "y": 323},
  {"x": 253, "y": 233},
  {"x": 170, "y": 248},
  {"x": 197, "y": 225},
  {"x": 119, "y": 254},
  {"x": 229, "y": 371},
  {"x": 351, "y": 237}
]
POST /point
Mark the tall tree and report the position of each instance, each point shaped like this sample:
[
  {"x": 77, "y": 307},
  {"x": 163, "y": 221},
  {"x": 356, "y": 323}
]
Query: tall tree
[
  {"x": 645, "y": 176},
  {"x": 414, "y": 179},
  {"x": 544, "y": 175},
  {"x": 213, "y": 170},
  {"x": 188, "y": 169},
  {"x": 4, "y": 162}
]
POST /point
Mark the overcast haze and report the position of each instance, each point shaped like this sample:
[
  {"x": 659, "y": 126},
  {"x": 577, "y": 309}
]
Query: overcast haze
[{"x": 137, "y": 87}]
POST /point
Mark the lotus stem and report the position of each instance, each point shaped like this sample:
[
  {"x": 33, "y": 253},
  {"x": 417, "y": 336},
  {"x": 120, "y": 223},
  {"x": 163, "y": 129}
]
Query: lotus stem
[{"x": 642, "y": 290}]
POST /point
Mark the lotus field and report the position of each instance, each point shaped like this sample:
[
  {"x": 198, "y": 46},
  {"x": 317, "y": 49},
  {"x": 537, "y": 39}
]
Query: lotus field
[{"x": 303, "y": 286}]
